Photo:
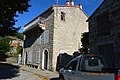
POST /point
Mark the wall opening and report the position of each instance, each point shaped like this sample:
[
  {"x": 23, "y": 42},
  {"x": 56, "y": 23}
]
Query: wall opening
[
  {"x": 45, "y": 60},
  {"x": 26, "y": 58}
]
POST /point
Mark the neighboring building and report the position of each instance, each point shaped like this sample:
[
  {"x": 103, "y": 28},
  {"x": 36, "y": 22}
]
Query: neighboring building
[
  {"x": 104, "y": 29},
  {"x": 15, "y": 43},
  {"x": 57, "y": 30}
]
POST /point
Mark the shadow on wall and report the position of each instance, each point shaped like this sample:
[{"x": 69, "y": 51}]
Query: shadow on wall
[
  {"x": 8, "y": 71},
  {"x": 63, "y": 59},
  {"x": 29, "y": 40}
]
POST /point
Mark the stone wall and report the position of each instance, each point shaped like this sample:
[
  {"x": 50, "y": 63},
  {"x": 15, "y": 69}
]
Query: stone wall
[
  {"x": 49, "y": 22},
  {"x": 113, "y": 8},
  {"x": 67, "y": 33},
  {"x": 64, "y": 36},
  {"x": 32, "y": 41}
]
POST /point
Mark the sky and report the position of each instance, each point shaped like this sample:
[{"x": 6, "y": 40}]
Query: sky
[{"x": 39, "y": 6}]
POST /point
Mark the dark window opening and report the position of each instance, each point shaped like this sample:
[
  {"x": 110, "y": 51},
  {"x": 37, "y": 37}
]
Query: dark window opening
[
  {"x": 63, "y": 16},
  {"x": 93, "y": 62},
  {"x": 72, "y": 65}
]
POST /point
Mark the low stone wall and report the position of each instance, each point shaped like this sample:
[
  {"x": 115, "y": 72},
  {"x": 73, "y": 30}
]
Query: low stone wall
[{"x": 12, "y": 60}]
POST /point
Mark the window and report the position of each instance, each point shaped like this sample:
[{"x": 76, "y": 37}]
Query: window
[
  {"x": 30, "y": 57},
  {"x": 90, "y": 63},
  {"x": 38, "y": 42},
  {"x": 82, "y": 65},
  {"x": 93, "y": 62},
  {"x": 46, "y": 36},
  {"x": 63, "y": 16},
  {"x": 37, "y": 56},
  {"x": 72, "y": 65}
]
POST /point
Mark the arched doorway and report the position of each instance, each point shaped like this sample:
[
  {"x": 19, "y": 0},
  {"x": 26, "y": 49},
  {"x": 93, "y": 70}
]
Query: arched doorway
[
  {"x": 26, "y": 57},
  {"x": 45, "y": 60}
]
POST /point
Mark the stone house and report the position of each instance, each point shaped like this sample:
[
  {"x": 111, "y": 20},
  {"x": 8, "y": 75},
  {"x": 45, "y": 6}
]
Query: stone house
[
  {"x": 104, "y": 29},
  {"x": 56, "y": 30},
  {"x": 14, "y": 44}
]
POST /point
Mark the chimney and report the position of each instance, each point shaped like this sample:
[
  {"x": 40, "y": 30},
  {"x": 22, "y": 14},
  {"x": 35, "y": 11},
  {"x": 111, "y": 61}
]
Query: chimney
[
  {"x": 67, "y": 3},
  {"x": 72, "y": 2},
  {"x": 80, "y": 6}
]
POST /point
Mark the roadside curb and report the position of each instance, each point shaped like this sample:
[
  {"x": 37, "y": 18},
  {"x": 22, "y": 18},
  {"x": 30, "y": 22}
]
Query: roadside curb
[{"x": 40, "y": 76}]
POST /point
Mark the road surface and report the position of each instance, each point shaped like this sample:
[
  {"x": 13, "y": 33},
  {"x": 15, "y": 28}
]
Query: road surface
[{"x": 12, "y": 72}]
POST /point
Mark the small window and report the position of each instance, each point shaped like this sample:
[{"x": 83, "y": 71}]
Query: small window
[
  {"x": 72, "y": 65},
  {"x": 82, "y": 65},
  {"x": 63, "y": 16},
  {"x": 93, "y": 62},
  {"x": 30, "y": 57},
  {"x": 37, "y": 56},
  {"x": 38, "y": 42},
  {"x": 46, "y": 36}
]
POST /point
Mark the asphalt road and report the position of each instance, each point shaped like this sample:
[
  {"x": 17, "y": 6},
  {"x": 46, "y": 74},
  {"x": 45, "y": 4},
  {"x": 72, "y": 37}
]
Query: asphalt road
[{"x": 12, "y": 72}]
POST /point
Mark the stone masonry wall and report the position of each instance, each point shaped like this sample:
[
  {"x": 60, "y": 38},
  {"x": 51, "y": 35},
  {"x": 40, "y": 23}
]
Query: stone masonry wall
[
  {"x": 67, "y": 34},
  {"x": 64, "y": 36},
  {"x": 113, "y": 7},
  {"x": 49, "y": 22}
]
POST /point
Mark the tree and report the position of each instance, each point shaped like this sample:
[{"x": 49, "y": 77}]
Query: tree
[
  {"x": 19, "y": 36},
  {"x": 4, "y": 45},
  {"x": 19, "y": 49},
  {"x": 85, "y": 42},
  {"x": 8, "y": 10}
]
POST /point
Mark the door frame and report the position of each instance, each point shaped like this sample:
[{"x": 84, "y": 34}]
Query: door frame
[{"x": 43, "y": 59}]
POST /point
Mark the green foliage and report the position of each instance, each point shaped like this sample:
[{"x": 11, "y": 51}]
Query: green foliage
[
  {"x": 8, "y": 11},
  {"x": 83, "y": 50},
  {"x": 85, "y": 39},
  {"x": 85, "y": 42},
  {"x": 4, "y": 45},
  {"x": 19, "y": 49},
  {"x": 20, "y": 36}
]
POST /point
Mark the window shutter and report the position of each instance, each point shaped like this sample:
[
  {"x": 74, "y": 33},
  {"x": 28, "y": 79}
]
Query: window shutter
[
  {"x": 46, "y": 36},
  {"x": 30, "y": 57},
  {"x": 37, "y": 56},
  {"x": 38, "y": 42}
]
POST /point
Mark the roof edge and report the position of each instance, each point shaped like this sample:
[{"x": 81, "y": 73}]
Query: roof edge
[
  {"x": 39, "y": 15},
  {"x": 50, "y": 9},
  {"x": 95, "y": 11}
]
